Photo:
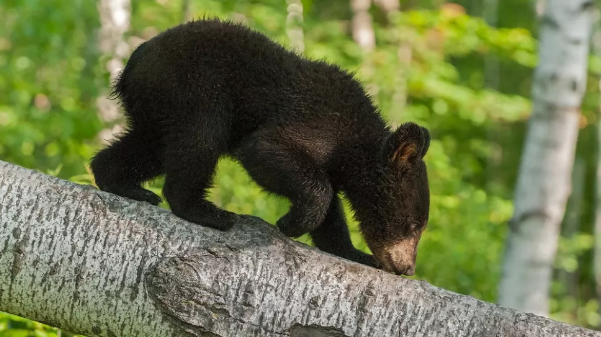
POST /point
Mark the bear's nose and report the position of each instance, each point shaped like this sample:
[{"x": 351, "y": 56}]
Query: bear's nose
[{"x": 409, "y": 271}]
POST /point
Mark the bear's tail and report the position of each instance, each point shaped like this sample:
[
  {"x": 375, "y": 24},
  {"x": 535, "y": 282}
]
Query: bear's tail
[{"x": 118, "y": 87}]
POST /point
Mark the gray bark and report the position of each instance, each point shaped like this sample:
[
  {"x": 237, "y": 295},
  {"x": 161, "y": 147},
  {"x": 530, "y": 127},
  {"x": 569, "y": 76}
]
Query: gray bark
[
  {"x": 100, "y": 265},
  {"x": 544, "y": 179}
]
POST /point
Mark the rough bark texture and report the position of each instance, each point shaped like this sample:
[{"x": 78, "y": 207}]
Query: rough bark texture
[
  {"x": 100, "y": 265},
  {"x": 544, "y": 179}
]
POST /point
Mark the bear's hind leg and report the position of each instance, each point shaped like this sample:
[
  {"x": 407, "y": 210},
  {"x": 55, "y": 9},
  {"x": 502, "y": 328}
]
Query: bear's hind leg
[
  {"x": 121, "y": 167},
  {"x": 190, "y": 159},
  {"x": 333, "y": 236}
]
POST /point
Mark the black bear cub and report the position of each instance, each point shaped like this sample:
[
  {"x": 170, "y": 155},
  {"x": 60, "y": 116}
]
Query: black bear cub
[{"x": 303, "y": 129}]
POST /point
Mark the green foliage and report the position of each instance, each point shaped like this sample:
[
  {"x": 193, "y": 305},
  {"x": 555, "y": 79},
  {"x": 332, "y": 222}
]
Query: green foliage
[
  {"x": 51, "y": 73},
  {"x": 14, "y": 326},
  {"x": 49, "y": 83}
]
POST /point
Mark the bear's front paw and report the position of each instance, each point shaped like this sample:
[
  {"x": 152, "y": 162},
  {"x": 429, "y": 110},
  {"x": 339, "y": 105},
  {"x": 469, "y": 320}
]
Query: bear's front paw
[
  {"x": 134, "y": 192},
  {"x": 150, "y": 197},
  {"x": 291, "y": 228},
  {"x": 224, "y": 221}
]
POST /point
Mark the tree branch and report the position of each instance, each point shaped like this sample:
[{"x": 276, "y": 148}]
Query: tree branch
[{"x": 100, "y": 265}]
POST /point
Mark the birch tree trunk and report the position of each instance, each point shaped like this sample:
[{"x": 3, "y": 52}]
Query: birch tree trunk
[
  {"x": 364, "y": 36},
  {"x": 187, "y": 11},
  {"x": 294, "y": 28},
  {"x": 114, "y": 23},
  {"x": 363, "y": 32},
  {"x": 540, "y": 7},
  {"x": 543, "y": 184},
  {"x": 100, "y": 265}
]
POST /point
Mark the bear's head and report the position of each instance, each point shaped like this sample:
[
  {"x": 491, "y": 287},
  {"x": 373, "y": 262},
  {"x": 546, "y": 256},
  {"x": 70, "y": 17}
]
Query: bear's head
[{"x": 399, "y": 198}]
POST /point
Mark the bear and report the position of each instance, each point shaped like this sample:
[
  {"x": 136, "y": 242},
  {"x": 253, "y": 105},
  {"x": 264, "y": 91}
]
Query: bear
[{"x": 303, "y": 129}]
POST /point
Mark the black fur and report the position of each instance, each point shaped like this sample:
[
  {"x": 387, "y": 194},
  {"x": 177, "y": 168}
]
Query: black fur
[{"x": 303, "y": 129}]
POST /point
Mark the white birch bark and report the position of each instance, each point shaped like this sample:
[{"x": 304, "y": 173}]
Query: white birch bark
[
  {"x": 115, "y": 18},
  {"x": 100, "y": 265},
  {"x": 294, "y": 27},
  {"x": 363, "y": 32},
  {"x": 187, "y": 11},
  {"x": 544, "y": 178},
  {"x": 540, "y": 7},
  {"x": 114, "y": 23}
]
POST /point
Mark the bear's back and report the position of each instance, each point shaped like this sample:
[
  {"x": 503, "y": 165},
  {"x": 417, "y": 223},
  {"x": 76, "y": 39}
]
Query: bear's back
[
  {"x": 226, "y": 49},
  {"x": 256, "y": 82}
]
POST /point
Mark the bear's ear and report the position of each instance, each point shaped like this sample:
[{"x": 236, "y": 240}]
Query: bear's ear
[{"x": 407, "y": 144}]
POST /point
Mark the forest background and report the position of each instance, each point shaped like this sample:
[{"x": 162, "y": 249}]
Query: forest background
[{"x": 464, "y": 70}]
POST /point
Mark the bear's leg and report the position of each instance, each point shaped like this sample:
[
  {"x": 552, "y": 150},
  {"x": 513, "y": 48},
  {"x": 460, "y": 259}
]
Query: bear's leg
[
  {"x": 333, "y": 236},
  {"x": 289, "y": 173},
  {"x": 190, "y": 160},
  {"x": 127, "y": 162}
]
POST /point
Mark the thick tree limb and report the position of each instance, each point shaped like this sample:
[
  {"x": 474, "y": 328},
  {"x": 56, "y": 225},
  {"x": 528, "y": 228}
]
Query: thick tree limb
[{"x": 100, "y": 265}]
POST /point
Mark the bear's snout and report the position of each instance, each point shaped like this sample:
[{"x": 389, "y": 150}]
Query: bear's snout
[{"x": 398, "y": 258}]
